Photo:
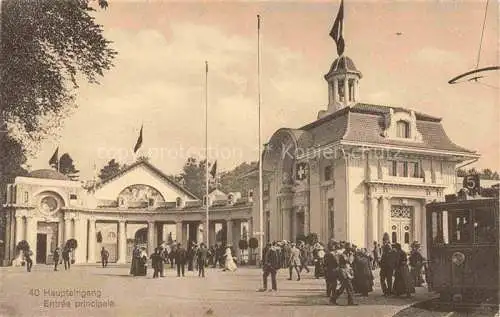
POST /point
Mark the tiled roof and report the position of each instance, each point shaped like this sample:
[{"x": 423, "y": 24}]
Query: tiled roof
[
  {"x": 155, "y": 170},
  {"x": 369, "y": 128},
  {"x": 48, "y": 174},
  {"x": 343, "y": 64},
  {"x": 364, "y": 123}
]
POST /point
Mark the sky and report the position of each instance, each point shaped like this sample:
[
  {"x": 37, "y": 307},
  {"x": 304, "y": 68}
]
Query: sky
[{"x": 159, "y": 76}]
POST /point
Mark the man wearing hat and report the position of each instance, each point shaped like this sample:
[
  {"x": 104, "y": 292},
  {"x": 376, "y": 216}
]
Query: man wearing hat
[
  {"x": 416, "y": 263},
  {"x": 331, "y": 270}
]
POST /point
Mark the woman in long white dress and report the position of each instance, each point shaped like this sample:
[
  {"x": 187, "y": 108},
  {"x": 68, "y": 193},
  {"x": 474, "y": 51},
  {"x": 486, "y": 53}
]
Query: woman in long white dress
[{"x": 229, "y": 264}]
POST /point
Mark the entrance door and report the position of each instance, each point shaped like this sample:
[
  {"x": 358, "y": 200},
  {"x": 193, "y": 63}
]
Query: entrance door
[
  {"x": 401, "y": 226},
  {"x": 41, "y": 248}
]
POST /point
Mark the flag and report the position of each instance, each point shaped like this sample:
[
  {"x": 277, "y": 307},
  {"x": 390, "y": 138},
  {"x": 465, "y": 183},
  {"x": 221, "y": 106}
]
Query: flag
[
  {"x": 213, "y": 171},
  {"x": 139, "y": 141},
  {"x": 336, "y": 32},
  {"x": 54, "y": 160}
]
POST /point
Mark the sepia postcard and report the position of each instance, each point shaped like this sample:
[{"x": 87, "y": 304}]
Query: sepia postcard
[{"x": 249, "y": 158}]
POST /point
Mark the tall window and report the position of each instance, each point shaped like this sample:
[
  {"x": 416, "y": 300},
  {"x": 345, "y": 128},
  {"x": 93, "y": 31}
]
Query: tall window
[
  {"x": 404, "y": 169},
  {"x": 26, "y": 197},
  {"x": 178, "y": 202},
  {"x": 403, "y": 129},
  {"x": 328, "y": 173},
  {"x": 331, "y": 217}
]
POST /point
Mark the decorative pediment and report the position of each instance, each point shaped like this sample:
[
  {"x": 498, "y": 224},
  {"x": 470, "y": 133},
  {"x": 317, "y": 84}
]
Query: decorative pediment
[{"x": 142, "y": 184}]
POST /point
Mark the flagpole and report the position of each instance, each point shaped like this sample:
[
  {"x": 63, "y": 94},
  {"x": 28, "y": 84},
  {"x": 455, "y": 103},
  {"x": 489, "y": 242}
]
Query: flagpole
[
  {"x": 206, "y": 156},
  {"x": 261, "y": 199}
]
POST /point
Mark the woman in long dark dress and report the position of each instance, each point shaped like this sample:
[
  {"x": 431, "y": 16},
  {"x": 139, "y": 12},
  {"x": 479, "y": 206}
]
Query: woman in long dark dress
[
  {"x": 363, "y": 276},
  {"x": 402, "y": 278},
  {"x": 135, "y": 261}
]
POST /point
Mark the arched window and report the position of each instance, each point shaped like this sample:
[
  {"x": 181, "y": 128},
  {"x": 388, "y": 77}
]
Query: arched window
[
  {"x": 178, "y": 202},
  {"x": 403, "y": 129}
]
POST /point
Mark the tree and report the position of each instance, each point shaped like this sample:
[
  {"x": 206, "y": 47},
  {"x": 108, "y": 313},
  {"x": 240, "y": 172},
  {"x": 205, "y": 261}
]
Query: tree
[
  {"x": 193, "y": 174},
  {"x": 47, "y": 48},
  {"x": 109, "y": 170},
  {"x": 67, "y": 167},
  {"x": 484, "y": 174},
  {"x": 233, "y": 181}
]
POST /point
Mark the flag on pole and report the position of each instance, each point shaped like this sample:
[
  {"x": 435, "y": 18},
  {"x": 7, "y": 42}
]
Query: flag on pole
[
  {"x": 54, "y": 160},
  {"x": 336, "y": 32},
  {"x": 213, "y": 171},
  {"x": 138, "y": 144}
]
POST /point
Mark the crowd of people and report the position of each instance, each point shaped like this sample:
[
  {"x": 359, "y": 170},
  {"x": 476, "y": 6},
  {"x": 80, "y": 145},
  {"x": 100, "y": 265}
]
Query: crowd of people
[
  {"x": 195, "y": 257},
  {"x": 347, "y": 268}
]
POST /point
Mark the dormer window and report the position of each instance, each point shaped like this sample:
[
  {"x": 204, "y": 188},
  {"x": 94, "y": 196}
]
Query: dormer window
[{"x": 403, "y": 129}]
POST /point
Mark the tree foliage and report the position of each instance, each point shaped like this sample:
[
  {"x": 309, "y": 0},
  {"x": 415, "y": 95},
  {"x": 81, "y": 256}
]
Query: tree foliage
[
  {"x": 233, "y": 181},
  {"x": 483, "y": 174},
  {"x": 67, "y": 166},
  {"x": 110, "y": 169},
  {"x": 193, "y": 174},
  {"x": 48, "y": 47}
]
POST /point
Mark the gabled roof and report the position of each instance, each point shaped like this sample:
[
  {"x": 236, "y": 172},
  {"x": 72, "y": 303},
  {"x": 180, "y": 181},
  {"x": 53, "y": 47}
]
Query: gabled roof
[
  {"x": 155, "y": 170},
  {"x": 48, "y": 174}
]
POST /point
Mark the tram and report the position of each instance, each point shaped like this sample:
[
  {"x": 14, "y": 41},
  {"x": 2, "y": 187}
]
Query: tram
[{"x": 463, "y": 247}]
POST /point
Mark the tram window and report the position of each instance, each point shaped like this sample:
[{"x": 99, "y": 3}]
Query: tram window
[
  {"x": 484, "y": 226},
  {"x": 439, "y": 223},
  {"x": 460, "y": 224}
]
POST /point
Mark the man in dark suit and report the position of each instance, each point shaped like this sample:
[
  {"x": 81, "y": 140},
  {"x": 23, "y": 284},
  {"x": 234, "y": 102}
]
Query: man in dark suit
[
  {"x": 387, "y": 264},
  {"x": 180, "y": 259},
  {"x": 331, "y": 270},
  {"x": 201, "y": 259},
  {"x": 270, "y": 265}
]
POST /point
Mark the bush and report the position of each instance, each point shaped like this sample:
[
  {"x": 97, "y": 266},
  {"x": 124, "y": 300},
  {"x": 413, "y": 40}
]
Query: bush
[
  {"x": 72, "y": 244},
  {"x": 312, "y": 238},
  {"x": 23, "y": 245},
  {"x": 243, "y": 244},
  {"x": 253, "y": 243}
]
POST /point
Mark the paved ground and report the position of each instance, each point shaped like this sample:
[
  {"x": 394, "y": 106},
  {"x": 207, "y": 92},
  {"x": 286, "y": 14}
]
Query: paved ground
[{"x": 220, "y": 294}]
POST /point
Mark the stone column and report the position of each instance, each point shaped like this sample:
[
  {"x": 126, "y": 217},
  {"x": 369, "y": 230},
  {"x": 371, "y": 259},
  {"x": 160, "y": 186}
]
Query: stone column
[
  {"x": 122, "y": 242},
  {"x": 346, "y": 91},
  {"x": 211, "y": 232},
  {"x": 373, "y": 229},
  {"x": 293, "y": 224},
  {"x": 31, "y": 231},
  {"x": 385, "y": 216},
  {"x": 423, "y": 227},
  {"x": 249, "y": 228},
  {"x": 67, "y": 230},
  {"x": 229, "y": 232},
  {"x": 92, "y": 242},
  {"x": 19, "y": 228},
  {"x": 178, "y": 232},
  {"x": 151, "y": 237},
  {"x": 286, "y": 224}
]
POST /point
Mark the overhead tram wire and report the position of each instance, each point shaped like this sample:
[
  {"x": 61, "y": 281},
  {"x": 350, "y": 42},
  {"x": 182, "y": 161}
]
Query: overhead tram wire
[{"x": 482, "y": 34}]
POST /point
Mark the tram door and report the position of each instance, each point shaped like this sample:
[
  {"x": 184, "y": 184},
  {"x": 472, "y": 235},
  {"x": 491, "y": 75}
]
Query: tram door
[{"x": 401, "y": 226}]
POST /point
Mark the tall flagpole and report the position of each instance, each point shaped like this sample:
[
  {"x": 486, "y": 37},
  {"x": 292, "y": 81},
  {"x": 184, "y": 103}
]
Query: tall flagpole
[
  {"x": 206, "y": 155},
  {"x": 261, "y": 199}
]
